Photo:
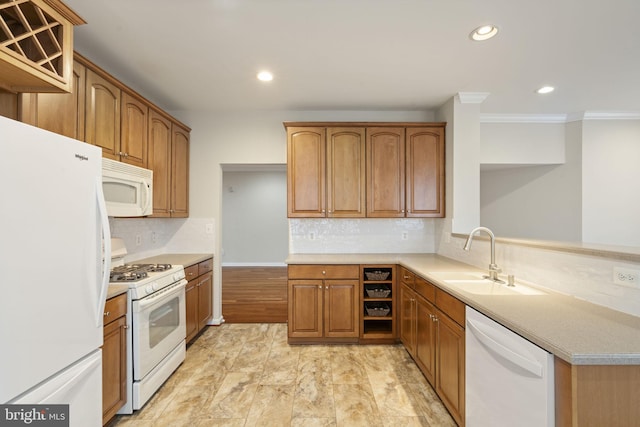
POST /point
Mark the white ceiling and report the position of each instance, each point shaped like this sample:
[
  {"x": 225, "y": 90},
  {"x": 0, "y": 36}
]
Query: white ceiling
[{"x": 368, "y": 54}]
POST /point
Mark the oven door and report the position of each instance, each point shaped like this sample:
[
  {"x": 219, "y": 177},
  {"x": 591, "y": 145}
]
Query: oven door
[{"x": 159, "y": 325}]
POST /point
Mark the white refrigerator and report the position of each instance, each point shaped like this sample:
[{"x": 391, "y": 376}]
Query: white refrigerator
[{"x": 53, "y": 276}]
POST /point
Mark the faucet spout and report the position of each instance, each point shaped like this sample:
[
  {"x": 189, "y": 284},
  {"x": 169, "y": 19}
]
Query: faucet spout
[{"x": 493, "y": 267}]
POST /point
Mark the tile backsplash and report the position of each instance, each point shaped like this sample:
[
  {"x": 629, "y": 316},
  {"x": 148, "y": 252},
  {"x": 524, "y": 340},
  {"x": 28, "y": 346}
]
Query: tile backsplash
[
  {"x": 145, "y": 237},
  {"x": 343, "y": 235}
]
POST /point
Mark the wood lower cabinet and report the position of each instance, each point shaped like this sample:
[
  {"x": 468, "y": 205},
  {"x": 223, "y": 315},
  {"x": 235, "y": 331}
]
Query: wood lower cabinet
[
  {"x": 378, "y": 304},
  {"x": 323, "y": 303},
  {"x": 432, "y": 331},
  {"x": 114, "y": 357},
  {"x": 199, "y": 297}
]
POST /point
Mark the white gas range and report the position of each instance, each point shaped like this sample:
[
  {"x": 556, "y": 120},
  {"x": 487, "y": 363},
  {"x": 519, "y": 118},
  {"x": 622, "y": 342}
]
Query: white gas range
[{"x": 156, "y": 337}]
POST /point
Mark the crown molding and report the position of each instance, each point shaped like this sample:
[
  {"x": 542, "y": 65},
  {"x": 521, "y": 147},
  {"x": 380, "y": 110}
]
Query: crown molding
[
  {"x": 523, "y": 118},
  {"x": 559, "y": 118},
  {"x": 472, "y": 97}
]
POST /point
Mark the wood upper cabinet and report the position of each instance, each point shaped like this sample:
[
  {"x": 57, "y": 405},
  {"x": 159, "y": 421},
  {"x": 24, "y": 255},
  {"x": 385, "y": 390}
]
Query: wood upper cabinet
[
  {"x": 306, "y": 148},
  {"x": 61, "y": 113},
  {"x": 385, "y": 172},
  {"x": 179, "y": 171},
  {"x": 159, "y": 161},
  {"x": 425, "y": 172},
  {"x": 134, "y": 131},
  {"x": 102, "y": 118},
  {"x": 168, "y": 158},
  {"x": 323, "y": 303},
  {"x": 36, "y": 53},
  {"x": 360, "y": 169},
  {"x": 345, "y": 172},
  {"x": 326, "y": 172}
]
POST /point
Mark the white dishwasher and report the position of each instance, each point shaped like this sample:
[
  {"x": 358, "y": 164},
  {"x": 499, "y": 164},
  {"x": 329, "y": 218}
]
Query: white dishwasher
[{"x": 509, "y": 380}]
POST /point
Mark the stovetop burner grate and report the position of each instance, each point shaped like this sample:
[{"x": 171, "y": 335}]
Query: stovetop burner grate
[{"x": 134, "y": 272}]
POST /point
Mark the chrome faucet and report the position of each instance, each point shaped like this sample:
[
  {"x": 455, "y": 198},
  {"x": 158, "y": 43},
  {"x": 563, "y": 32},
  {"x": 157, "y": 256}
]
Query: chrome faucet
[{"x": 493, "y": 268}]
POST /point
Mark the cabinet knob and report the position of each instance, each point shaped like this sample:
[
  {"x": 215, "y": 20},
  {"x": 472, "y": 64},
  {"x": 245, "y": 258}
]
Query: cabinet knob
[
  {"x": 434, "y": 318},
  {"x": 324, "y": 272},
  {"x": 326, "y": 287},
  {"x": 107, "y": 313},
  {"x": 405, "y": 277},
  {"x": 319, "y": 286},
  {"x": 126, "y": 326}
]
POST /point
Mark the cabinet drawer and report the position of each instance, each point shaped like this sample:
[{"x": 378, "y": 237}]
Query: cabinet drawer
[
  {"x": 407, "y": 276},
  {"x": 425, "y": 289},
  {"x": 324, "y": 271},
  {"x": 191, "y": 272},
  {"x": 451, "y": 306},
  {"x": 114, "y": 308},
  {"x": 205, "y": 266}
]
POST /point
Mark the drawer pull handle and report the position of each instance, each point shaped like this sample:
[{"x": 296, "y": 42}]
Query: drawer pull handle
[{"x": 107, "y": 313}]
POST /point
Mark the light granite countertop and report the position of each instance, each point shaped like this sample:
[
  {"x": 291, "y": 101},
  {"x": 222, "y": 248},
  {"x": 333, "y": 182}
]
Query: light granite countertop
[
  {"x": 184, "y": 260},
  {"x": 115, "y": 290},
  {"x": 575, "y": 330}
]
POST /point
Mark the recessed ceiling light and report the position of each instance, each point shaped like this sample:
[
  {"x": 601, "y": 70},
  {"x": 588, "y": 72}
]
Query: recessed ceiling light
[
  {"x": 265, "y": 76},
  {"x": 484, "y": 33},
  {"x": 545, "y": 89}
]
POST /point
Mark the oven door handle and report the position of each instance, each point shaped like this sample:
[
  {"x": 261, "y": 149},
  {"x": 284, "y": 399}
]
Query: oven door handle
[{"x": 169, "y": 291}]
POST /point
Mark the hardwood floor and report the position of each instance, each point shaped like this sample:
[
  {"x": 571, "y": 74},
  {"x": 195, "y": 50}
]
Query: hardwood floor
[{"x": 254, "y": 294}]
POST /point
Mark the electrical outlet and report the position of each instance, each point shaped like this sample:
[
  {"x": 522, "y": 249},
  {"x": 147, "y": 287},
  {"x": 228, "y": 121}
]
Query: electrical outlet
[
  {"x": 154, "y": 237},
  {"x": 208, "y": 228},
  {"x": 626, "y": 277},
  {"x": 405, "y": 235},
  {"x": 138, "y": 239},
  {"x": 312, "y": 235}
]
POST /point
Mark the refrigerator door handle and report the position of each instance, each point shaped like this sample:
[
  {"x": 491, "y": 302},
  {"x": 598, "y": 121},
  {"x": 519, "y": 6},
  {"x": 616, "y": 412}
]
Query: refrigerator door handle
[
  {"x": 106, "y": 251},
  {"x": 520, "y": 360}
]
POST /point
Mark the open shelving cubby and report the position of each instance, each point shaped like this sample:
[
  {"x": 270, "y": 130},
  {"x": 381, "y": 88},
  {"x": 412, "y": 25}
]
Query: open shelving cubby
[{"x": 378, "y": 302}]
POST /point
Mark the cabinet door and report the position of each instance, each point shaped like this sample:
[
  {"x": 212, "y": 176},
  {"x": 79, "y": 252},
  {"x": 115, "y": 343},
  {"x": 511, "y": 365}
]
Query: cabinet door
[
  {"x": 61, "y": 113},
  {"x": 425, "y": 354},
  {"x": 306, "y": 172},
  {"x": 135, "y": 123},
  {"x": 103, "y": 115},
  {"x": 408, "y": 318},
  {"x": 346, "y": 172},
  {"x": 305, "y": 308},
  {"x": 205, "y": 302},
  {"x": 114, "y": 368},
  {"x": 191, "y": 309},
  {"x": 179, "y": 172},
  {"x": 341, "y": 308},
  {"x": 159, "y": 161},
  {"x": 425, "y": 172},
  {"x": 385, "y": 172},
  {"x": 450, "y": 362}
]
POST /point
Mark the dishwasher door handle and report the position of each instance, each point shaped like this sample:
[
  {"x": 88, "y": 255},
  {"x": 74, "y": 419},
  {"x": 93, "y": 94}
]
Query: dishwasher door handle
[{"x": 520, "y": 360}]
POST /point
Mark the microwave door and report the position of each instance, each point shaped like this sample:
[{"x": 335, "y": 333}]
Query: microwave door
[{"x": 121, "y": 197}]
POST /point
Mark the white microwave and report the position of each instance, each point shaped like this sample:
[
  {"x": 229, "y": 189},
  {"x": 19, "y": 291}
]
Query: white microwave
[{"x": 128, "y": 189}]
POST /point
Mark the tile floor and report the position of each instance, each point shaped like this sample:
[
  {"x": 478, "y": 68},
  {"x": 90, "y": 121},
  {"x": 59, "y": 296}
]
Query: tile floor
[{"x": 247, "y": 375}]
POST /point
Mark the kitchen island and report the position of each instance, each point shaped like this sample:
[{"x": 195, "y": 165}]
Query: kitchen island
[{"x": 596, "y": 349}]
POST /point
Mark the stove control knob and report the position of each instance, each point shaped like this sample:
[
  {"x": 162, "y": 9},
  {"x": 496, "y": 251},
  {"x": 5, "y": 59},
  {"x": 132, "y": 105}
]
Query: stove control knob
[
  {"x": 177, "y": 277},
  {"x": 154, "y": 286},
  {"x": 149, "y": 289}
]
